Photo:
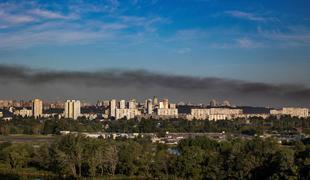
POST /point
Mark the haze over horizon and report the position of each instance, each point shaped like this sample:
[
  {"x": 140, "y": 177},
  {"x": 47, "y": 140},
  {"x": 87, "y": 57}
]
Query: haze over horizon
[{"x": 251, "y": 53}]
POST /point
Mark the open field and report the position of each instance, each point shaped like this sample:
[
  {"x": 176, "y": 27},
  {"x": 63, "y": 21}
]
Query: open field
[{"x": 19, "y": 138}]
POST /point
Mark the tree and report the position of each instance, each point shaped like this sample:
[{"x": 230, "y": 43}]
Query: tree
[
  {"x": 282, "y": 164},
  {"x": 41, "y": 157},
  {"x": 161, "y": 164},
  {"x": 109, "y": 159},
  {"x": 128, "y": 158},
  {"x": 190, "y": 162},
  {"x": 18, "y": 155},
  {"x": 71, "y": 148},
  {"x": 94, "y": 149}
]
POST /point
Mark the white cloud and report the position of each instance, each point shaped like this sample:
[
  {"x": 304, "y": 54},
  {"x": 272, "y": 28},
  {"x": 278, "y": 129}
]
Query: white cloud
[
  {"x": 101, "y": 6},
  {"x": 184, "y": 50},
  {"x": 294, "y": 36},
  {"x": 244, "y": 43},
  {"x": 239, "y": 43},
  {"x": 55, "y": 37},
  {"x": 56, "y": 26},
  {"x": 245, "y": 15},
  {"x": 188, "y": 35},
  {"x": 113, "y": 26},
  {"x": 58, "y": 33},
  {"x": 15, "y": 19},
  {"x": 49, "y": 14}
]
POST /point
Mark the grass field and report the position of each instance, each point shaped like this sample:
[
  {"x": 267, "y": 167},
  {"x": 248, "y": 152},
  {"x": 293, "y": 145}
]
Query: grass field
[{"x": 19, "y": 138}]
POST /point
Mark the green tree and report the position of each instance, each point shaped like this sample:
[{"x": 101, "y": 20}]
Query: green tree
[
  {"x": 109, "y": 159},
  {"x": 18, "y": 155},
  {"x": 69, "y": 151},
  {"x": 94, "y": 149},
  {"x": 190, "y": 162}
]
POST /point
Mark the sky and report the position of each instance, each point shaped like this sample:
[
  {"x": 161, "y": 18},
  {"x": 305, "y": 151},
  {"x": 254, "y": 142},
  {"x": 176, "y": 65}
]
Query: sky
[{"x": 262, "y": 41}]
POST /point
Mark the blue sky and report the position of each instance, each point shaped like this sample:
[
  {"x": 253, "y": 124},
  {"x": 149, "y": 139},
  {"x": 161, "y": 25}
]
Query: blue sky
[{"x": 259, "y": 41}]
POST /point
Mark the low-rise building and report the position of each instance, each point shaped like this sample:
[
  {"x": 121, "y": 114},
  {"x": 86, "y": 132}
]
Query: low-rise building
[
  {"x": 199, "y": 114},
  {"x": 126, "y": 113},
  {"x": 291, "y": 111},
  {"x": 89, "y": 116},
  {"x": 166, "y": 110},
  {"x": 24, "y": 112},
  {"x": 214, "y": 114}
]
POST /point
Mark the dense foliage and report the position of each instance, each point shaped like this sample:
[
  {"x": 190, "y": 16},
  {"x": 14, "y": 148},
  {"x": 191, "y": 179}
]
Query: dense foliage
[
  {"x": 251, "y": 126},
  {"x": 199, "y": 158}
]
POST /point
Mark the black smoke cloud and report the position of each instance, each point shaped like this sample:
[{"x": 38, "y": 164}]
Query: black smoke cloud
[{"x": 23, "y": 82}]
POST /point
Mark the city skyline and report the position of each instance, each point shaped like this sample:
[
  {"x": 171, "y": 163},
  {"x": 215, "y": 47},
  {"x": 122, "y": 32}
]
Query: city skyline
[
  {"x": 149, "y": 109},
  {"x": 254, "y": 53}
]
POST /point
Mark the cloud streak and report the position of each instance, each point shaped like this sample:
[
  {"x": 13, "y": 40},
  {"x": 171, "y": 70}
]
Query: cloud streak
[
  {"x": 15, "y": 19},
  {"x": 245, "y": 15},
  {"x": 143, "y": 81},
  {"x": 297, "y": 36},
  {"x": 50, "y": 14},
  {"x": 30, "y": 24}
]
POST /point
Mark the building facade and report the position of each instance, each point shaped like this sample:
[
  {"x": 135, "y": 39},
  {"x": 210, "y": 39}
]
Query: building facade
[
  {"x": 126, "y": 113},
  {"x": 214, "y": 114},
  {"x": 112, "y": 108},
  {"x": 24, "y": 112},
  {"x": 149, "y": 106},
  {"x": 166, "y": 111},
  {"x": 72, "y": 109},
  {"x": 291, "y": 111},
  {"x": 37, "y": 108}
]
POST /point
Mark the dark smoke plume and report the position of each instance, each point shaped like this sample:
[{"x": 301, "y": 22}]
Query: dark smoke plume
[{"x": 144, "y": 83}]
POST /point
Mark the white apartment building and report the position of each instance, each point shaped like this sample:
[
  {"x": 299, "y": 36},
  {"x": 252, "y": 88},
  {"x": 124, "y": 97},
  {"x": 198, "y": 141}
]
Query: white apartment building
[
  {"x": 132, "y": 104},
  {"x": 291, "y": 111},
  {"x": 226, "y": 111},
  {"x": 37, "y": 108},
  {"x": 149, "y": 106},
  {"x": 276, "y": 112},
  {"x": 165, "y": 110},
  {"x": 199, "y": 114},
  {"x": 214, "y": 114},
  {"x": 72, "y": 109},
  {"x": 164, "y": 104},
  {"x": 122, "y": 104},
  {"x": 215, "y": 117},
  {"x": 126, "y": 113},
  {"x": 23, "y": 112},
  {"x": 112, "y": 107}
]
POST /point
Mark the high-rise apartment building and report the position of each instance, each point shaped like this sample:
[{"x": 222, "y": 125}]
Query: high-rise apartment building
[
  {"x": 132, "y": 104},
  {"x": 226, "y": 103},
  {"x": 155, "y": 101},
  {"x": 122, "y": 104},
  {"x": 112, "y": 107},
  {"x": 165, "y": 111},
  {"x": 72, "y": 109},
  {"x": 37, "y": 108},
  {"x": 149, "y": 106},
  {"x": 213, "y": 103},
  {"x": 123, "y": 111},
  {"x": 164, "y": 104}
]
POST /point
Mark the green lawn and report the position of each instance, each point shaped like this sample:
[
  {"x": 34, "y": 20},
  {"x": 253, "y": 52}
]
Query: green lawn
[{"x": 18, "y": 138}]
